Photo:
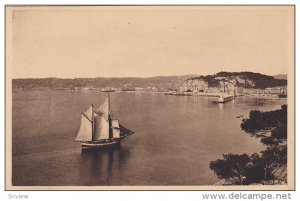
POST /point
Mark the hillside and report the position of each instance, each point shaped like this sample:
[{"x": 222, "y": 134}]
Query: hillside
[
  {"x": 242, "y": 79},
  {"x": 161, "y": 82},
  {"x": 280, "y": 76}
]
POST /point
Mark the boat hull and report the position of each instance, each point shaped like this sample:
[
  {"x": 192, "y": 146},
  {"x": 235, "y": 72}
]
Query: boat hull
[
  {"x": 282, "y": 96},
  {"x": 99, "y": 145},
  {"x": 223, "y": 99}
]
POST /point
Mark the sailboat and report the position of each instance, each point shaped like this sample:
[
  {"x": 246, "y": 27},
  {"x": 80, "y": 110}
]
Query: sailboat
[{"x": 99, "y": 129}]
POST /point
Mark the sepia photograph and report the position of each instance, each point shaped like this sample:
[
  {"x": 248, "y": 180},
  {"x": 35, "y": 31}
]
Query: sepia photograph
[{"x": 139, "y": 97}]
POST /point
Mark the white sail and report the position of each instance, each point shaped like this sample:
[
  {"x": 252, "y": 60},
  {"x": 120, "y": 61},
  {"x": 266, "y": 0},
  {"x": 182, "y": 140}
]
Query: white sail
[
  {"x": 115, "y": 123},
  {"x": 115, "y": 128},
  {"x": 101, "y": 131},
  {"x": 103, "y": 110},
  {"x": 89, "y": 113},
  {"x": 85, "y": 129}
]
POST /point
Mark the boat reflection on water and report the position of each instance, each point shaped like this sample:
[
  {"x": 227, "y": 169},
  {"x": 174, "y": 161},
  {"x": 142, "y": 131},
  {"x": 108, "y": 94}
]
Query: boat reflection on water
[
  {"x": 102, "y": 166},
  {"x": 221, "y": 105}
]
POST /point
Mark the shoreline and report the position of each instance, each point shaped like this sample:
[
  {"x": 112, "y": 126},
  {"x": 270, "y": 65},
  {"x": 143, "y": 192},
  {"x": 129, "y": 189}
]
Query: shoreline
[{"x": 206, "y": 94}]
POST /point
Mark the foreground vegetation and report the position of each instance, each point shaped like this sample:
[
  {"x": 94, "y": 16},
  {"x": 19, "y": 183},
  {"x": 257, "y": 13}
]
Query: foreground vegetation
[{"x": 242, "y": 169}]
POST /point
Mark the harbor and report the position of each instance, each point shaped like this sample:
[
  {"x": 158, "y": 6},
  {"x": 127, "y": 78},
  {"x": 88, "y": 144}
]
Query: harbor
[{"x": 160, "y": 123}]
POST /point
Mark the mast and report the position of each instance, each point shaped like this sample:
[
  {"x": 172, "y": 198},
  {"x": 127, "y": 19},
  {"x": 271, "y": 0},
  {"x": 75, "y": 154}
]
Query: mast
[
  {"x": 108, "y": 103},
  {"x": 109, "y": 118},
  {"x": 93, "y": 123}
]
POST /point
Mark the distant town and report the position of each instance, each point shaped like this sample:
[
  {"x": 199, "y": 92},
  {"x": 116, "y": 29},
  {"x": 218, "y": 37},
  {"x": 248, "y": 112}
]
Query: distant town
[{"x": 235, "y": 83}]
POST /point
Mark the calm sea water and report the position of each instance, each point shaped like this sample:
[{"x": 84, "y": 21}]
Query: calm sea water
[{"x": 175, "y": 138}]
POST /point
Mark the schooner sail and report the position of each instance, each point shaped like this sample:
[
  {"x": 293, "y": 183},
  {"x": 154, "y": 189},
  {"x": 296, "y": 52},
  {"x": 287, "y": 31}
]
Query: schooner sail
[
  {"x": 85, "y": 129},
  {"x": 98, "y": 129}
]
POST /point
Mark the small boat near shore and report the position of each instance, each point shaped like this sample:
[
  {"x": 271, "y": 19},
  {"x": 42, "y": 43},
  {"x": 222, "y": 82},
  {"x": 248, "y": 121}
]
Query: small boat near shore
[
  {"x": 223, "y": 99},
  {"x": 108, "y": 89},
  {"x": 175, "y": 93},
  {"x": 282, "y": 96},
  {"x": 99, "y": 129},
  {"x": 183, "y": 94},
  {"x": 170, "y": 93}
]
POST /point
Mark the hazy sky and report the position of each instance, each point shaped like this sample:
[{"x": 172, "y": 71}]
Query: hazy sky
[{"x": 148, "y": 41}]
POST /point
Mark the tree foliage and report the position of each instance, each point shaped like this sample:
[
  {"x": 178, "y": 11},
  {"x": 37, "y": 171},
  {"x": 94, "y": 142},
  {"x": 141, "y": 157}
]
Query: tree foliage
[
  {"x": 271, "y": 128},
  {"x": 242, "y": 169},
  {"x": 231, "y": 167}
]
